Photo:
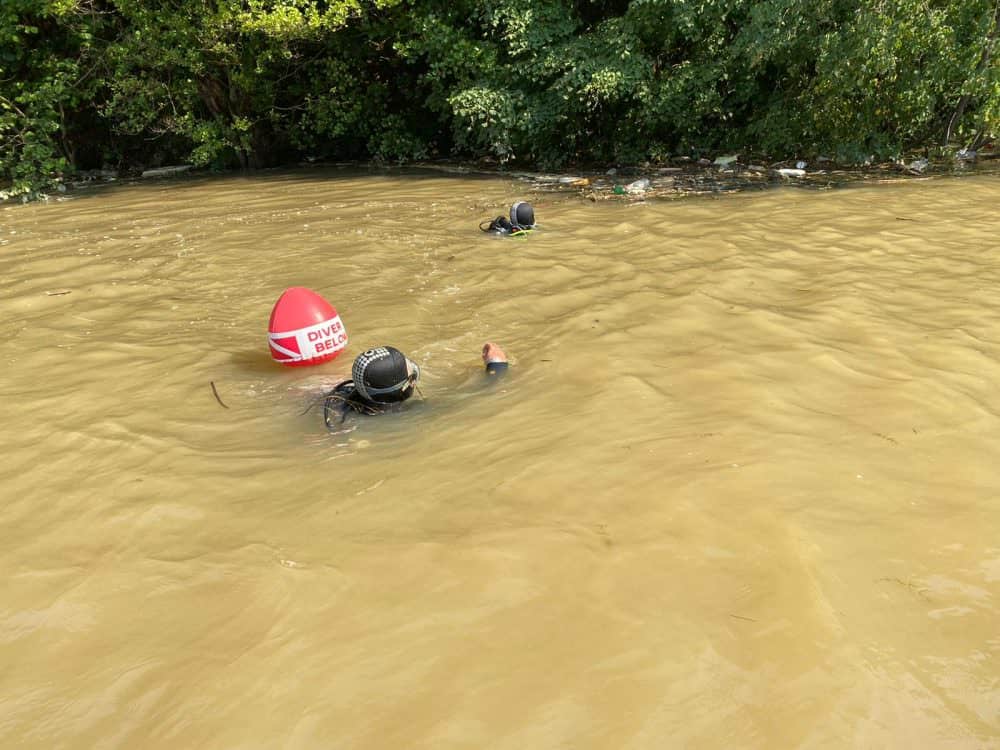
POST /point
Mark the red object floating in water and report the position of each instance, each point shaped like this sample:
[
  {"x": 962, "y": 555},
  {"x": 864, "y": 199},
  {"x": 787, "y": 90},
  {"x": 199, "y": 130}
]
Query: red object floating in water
[{"x": 304, "y": 329}]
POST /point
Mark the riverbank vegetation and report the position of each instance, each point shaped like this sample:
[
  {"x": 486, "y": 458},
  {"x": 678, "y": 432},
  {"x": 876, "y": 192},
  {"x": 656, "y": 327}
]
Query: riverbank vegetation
[{"x": 133, "y": 84}]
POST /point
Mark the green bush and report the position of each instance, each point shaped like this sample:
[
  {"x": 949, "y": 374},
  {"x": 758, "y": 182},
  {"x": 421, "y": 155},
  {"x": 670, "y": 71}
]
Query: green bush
[
  {"x": 222, "y": 83},
  {"x": 46, "y": 85}
]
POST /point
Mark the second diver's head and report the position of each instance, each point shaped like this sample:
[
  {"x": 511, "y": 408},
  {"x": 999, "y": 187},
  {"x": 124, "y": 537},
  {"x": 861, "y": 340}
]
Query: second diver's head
[
  {"x": 384, "y": 375},
  {"x": 522, "y": 215}
]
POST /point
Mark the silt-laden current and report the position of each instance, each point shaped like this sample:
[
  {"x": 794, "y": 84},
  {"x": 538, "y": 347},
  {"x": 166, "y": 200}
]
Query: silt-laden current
[{"x": 741, "y": 488}]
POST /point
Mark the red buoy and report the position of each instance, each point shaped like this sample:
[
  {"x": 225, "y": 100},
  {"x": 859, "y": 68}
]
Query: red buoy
[{"x": 304, "y": 329}]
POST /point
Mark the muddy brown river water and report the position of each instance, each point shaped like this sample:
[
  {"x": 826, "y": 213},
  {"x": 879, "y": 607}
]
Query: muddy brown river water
[{"x": 740, "y": 490}]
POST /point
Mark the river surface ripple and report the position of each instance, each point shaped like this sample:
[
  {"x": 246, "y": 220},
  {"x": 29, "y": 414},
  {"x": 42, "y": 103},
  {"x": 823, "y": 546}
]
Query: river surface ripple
[{"x": 740, "y": 489}]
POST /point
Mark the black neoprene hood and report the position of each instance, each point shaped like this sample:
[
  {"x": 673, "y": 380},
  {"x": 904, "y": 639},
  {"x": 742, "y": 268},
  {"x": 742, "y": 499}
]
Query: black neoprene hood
[
  {"x": 522, "y": 215},
  {"x": 381, "y": 375}
]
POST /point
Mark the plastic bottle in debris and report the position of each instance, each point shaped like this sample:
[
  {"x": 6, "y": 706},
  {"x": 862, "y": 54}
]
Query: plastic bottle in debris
[{"x": 639, "y": 186}]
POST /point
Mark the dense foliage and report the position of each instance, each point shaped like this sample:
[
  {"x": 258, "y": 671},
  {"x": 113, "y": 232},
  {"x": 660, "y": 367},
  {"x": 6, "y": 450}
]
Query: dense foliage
[{"x": 127, "y": 84}]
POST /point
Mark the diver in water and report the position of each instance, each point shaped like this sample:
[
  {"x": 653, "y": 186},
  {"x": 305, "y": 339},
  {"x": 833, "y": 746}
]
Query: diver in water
[
  {"x": 522, "y": 220},
  {"x": 383, "y": 378}
]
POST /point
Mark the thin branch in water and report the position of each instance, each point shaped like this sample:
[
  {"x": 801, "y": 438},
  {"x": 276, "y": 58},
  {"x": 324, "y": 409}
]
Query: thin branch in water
[
  {"x": 216, "y": 394},
  {"x": 321, "y": 397}
]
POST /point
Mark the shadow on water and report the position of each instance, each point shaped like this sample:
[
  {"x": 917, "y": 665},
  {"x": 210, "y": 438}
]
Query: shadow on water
[
  {"x": 325, "y": 174},
  {"x": 627, "y": 184},
  {"x": 255, "y": 362}
]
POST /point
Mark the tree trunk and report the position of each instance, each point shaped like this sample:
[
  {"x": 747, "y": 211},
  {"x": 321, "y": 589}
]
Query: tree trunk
[{"x": 984, "y": 61}]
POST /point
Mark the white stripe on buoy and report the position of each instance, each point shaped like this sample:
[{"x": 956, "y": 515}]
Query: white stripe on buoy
[
  {"x": 282, "y": 350},
  {"x": 319, "y": 340}
]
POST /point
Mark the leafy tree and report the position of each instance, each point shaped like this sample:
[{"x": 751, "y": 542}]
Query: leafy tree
[
  {"x": 231, "y": 77},
  {"x": 46, "y": 83},
  {"x": 133, "y": 83}
]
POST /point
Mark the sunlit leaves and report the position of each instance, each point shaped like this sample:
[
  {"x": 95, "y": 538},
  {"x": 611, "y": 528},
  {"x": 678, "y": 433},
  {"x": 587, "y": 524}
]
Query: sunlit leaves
[{"x": 253, "y": 82}]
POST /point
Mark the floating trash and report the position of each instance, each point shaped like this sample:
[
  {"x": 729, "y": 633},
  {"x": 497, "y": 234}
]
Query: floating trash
[{"x": 166, "y": 171}]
